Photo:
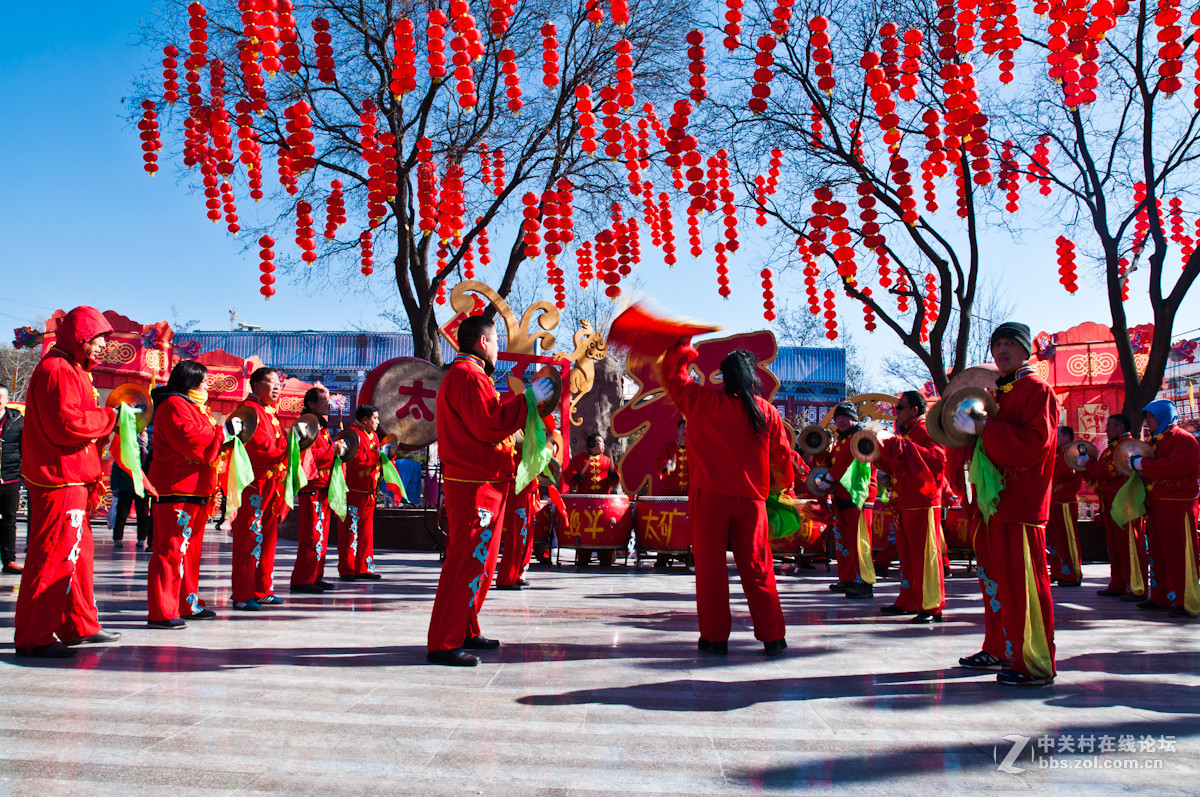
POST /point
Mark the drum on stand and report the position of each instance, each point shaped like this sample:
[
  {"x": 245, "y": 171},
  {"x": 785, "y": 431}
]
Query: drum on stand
[
  {"x": 596, "y": 522},
  {"x": 661, "y": 525},
  {"x": 957, "y": 531}
]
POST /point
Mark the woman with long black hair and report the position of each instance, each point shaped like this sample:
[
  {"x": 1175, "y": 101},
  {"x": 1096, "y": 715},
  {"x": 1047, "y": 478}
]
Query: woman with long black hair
[
  {"x": 187, "y": 448},
  {"x": 738, "y": 452}
]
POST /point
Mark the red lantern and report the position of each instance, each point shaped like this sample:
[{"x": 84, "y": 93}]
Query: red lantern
[
  {"x": 427, "y": 196},
  {"x": 485, "y": 164},
  {"x": 722, "y": 270},
  {"x": 170, "y": 75},
  {"x": 911, "y": 68},
  {"x": 696, "y": 66},
  {"x": 822, "y": 56},
  {"x": 811, "y": 272},
  {"x": 305, "y": 237},
  {"x": 587, "y": 119},
  {"x": 624, "y": 73},
  {"x": 289, "y": 37},
  {"x": 531, "y": 226},
  {"x": 1039, "y": 166},
  {"x": 666, "y": 224},
  {"x": 768, "y": 294},
  {"x": 335, "y": 210},
  {"x": 830, "y": 316},
  {"x": 549, "y": 55},
  {"x": 1009, "y": 182},
  {"x": 620, "y": 12},
  {"x": 498, "y": 172},
  {"x": 451, "y": 208},
  {"x": 733, "y": 23},
  {"x": 764, "y": 60},
  {"x": 868, "y": 312},
  {"x": 508, "y": 65},
  {"x": 151, "y": 142},
  {"x": 1169, "y": 33},
  {"x": 324, "y": 49},
  {"x": 1066, "y": 264},
  {"x": 435, "y": 33},
  {"x": 461, "y": 44},
  {"x": 266, "y": 266},
  {"x": 300, "y": 138},
  {"x": 404, "y": 61},
  {"x": 583, "y": 261},
  {"x": 502, "y": 11},
  {"x": 595, "y": 13}
]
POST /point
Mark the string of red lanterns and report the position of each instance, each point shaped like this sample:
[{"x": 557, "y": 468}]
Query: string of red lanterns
[{"x": 1066, "y": 264}]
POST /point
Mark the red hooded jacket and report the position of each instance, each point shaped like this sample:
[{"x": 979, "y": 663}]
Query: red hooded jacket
[
  {"x": 63, "y": 420},
  {"x": 187, "y": 448}
]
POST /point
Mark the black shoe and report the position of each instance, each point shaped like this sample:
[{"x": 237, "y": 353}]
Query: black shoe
[
  {"x": 716, "y": 648},
  {"x": 323, "y": 584},
  {"x": 1151, "y": 606},
  {"x": 507, "y": 587},
  {"x": 12, "y": 568},
  {"x": 924, "y": 618},
  {"x": 271, "y": 600},
  {"x": 306, "y": 589},
  {"x": 1110, "y": 593},
  {"x": 893, "y": 609},
  {"x": 247, "y": 606},
  {"x": 839, "y": 586},
  {"x": 369, "y": 576},
  {"x": 1129, "y": 597},
  {"x": 452, "y": 658},
  {"x": 55, "y": 650},
  {"x": 203, "y": 614},
  {"x": 348, "y": 577},
  {"x": 117, "y": 543},
  {"x": 860, "y": 592},
  {"x": 1062, "y": 583},
  {"x": 1179, "y": 611},
  {"x": 1014, "y": 678},
  {"x": 775, "y": 647},
  {"x": 98, "y": 638},
  {"x": 481, "y": 643},
  {"x": 170, "y": 625},
  {"x": 982, "y": 661},
  {"x": 523, "y": 583}
]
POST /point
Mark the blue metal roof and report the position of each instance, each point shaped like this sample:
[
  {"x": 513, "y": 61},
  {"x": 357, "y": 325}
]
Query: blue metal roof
[
  {"x": 810, "y": 365},
  {"x": 312, "y": 351}
]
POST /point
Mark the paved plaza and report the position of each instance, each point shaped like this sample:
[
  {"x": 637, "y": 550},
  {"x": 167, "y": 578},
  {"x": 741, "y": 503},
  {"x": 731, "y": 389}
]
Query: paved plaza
[{"x": 598, "y": 689}]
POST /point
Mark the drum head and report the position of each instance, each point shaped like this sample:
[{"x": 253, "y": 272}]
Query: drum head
[
  {"x": 307, "y": 427},
  {"x": 406, "y": 395},
  {"x": 249, "y": 419},
  {"x": 351, "y": 440},
  {"x": 1072, "y": 453}
]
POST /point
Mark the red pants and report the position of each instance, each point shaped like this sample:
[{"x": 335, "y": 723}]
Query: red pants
[
  {"x": 1017, "y": 553},
  {"x": 888, "y": 550},
  {"x": 174, "y": 572},
  {"x": 356, "y": 535},
  {"x": 1062, "y": 543},
  {"x": 993, "y": 629},
  {"x": 726, "y": 522},
  {"x": 852, "y": 546},
  {"x": 56, "y": 597},
  {"x": 255, "y": 529},
  {"x": 312, "y": 539},
  {"x": 474, "y": 523},
  {"x": 1171, "y": 534},
  {"x": 518, "y": 537},
  {"x": 1126, "y": 552},
  {"x": 920, "y": 546}
]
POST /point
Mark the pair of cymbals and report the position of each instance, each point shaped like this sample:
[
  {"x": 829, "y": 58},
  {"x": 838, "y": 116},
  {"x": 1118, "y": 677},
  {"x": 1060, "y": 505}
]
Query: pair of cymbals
[
  {"x": 864, "y": 444},
  {"x": 1126, "y": 450},
  {"x": 939, "y": 419},
  {"x": 1077, "y": 449},
  {"x": 307, "y": 427},
  {"x": 814, "y": 486},
  {"x": 249, "y": 419},
  {"x": 135, "y": 396}
]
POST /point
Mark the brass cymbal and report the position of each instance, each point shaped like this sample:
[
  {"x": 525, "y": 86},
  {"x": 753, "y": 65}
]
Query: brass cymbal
[
  {"x": 813, "y": 440},
  {"x": 1077, "y": 448},
  {"x": 547, "y": 405},
  {"x": 307, "y": 427},
  {"x": 1126, "y": 449},
  {"x": 933, "y": 424},
  {"x": 982, "y": 403},
  {"x": 348, "y": 437},
  {"x": 984, "y": 376},
  {"x": 249, "y": 419},
  {"x": 811, "y": 481}
]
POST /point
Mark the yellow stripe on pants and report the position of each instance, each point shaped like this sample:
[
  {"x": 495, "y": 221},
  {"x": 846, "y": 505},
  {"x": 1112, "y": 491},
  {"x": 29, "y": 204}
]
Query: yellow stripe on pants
[
  {"x": 1072, "y": 542},
  {"x": 1135, "y": 562},
  {"x": 1035, "y": 648},
  {"x": 1191, "y": 589},
  {"x": 931, "y": 564},
  {"x": 866, "y": 567}
]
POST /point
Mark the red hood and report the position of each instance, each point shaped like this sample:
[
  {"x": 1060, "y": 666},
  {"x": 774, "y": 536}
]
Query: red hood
[{"x": 77, "y": 328}]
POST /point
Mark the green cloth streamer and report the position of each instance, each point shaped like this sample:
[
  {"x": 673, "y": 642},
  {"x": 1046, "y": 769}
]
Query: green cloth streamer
[
  {"x": 783, "y": 519},
  {"x": 1129, "y": 503},
  {"x": 128, "y": 457},
  {"x": 337, "y": 489},
  {"x": 294, "y": 479},
  {"x": 238, "y": 475},
  {"x": 857, "y": 481},
  {"x": 392, "y": 476},
  {"x": 534, "y": 454},
  {"x": 987, "y": 480}
]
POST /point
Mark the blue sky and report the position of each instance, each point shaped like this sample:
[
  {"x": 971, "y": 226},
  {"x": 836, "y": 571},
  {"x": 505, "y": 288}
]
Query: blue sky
[{"x": 84, "y": 224}]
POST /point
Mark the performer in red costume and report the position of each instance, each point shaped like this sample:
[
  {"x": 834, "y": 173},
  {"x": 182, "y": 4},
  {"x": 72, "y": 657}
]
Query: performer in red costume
[
  {"x": 60, "y": 462},
  {"x": 312, "y": 540},
  {"x": 257, "y": 523},
  {"x": 917, "y": 466},
  {"x": 671, "y": 467},
  {"x": 518, "y": 538},
  {"x": 1126, "y": 544},
  {"x": 852, "y": 534},
  {"x": 356, "y": 535},
  {"x": 475, "y": 441},
  {"x": 187, "y": 452},
  {"x": 1171, "y": 509},
  {"x": 592, "y": 473},
  {"x": 739, "y": 453},
  {"x": 1062, "y": 536},
  {"x": 1020, "y": 441}
]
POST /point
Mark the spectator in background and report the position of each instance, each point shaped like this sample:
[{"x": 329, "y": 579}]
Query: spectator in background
[
  {"x": 124, "y": 497},
  {"x": 11, "y": 423}
]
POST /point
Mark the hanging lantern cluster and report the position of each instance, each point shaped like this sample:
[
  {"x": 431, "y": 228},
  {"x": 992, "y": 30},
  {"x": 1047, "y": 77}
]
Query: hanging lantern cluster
[
  {"x": 843, "y": 252},
  {"x": 902, "y": 292},
  {"x": 764, "y": 59},
  {"x": 300, "y": 136},
  {"x": 287, "y": 177},
  {"x": 931, "y": 305},
  {"x": 722, "y": 270},
  {"x": 212, "y": 193},
  {"x": 502, "y": 11},
  {"x": 611, "y": 122},
  {"x": 266, "y": 266},
  {"x": 451, "y": 203},
  {"x": 765, "y": 187},
  {"x": 1066, "y": 264},
  {"x": 151, "y": 140},
  {"x": 822, "y": 56},
  {"x": 1009, "y": 181},
  {"x": 1122, "y": 275},
  {"x": 467, "y": 46},
  {"x": 485, "y": 164},
  {"x": 818, "y": 221},
  {"x": 366, "y": 253},
  {"x": 946, "y": 27},
  {"x": 606, "y": 264},
  {"x": 549, "y": 55},
  {"x": 1175, "y": 215},
  {"x": 831, "y": 324},
  {"x": 868, "y": 313},
  {"x": 583, "y": 262},
  {"x": 811, "y": 272},
  {"x": 512, "y": 80},
  {"x": 468, "y": 258},
  {"x": 324, "y": 50},
  {"x": 435, "y": 34},
  {"x": 531, "y": 227},
  {"x": 595, "y": 13},
  {"x": 696, "y": 66},
  {"x": 768, "y": 285},
  {"x": 198, "y": 52},
  {"x": 427, "y": 196},
  {"x": 289, "y": 37},
  {"x": 170, "y": 75},
  {"x": 485, "y": 251},
  {"x": 305, "y": 236},
  {"x": 335, "y": 210},
  {"x": 1141, "y": 222},
  {"x": 872, "y": 234},
  {"x": 624, "y": 73},
  {"x": 1039, "y": 168},
  {"x": 498, "y": 172},
  {"x": 733, "y": 24},
  {"x": 620, "y": 12},
  {"x": 230, "y": 207},
  {"x": 881, "y": 93},
  {"x": 889, "y": 44},
  {"x": 666, "y": 223},
  {"x": 587, "y": 119},
  {"x": 910, "y": 69},
  {"x": 1171, "y": 51},
  {"x": 404, "y": 59}
]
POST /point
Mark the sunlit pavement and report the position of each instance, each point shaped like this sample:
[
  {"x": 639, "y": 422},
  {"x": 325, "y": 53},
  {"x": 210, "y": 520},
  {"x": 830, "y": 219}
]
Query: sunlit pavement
[{"x": 598, "y": 689}]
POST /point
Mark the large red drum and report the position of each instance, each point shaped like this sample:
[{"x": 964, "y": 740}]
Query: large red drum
[
  {"x": 660, "y": 523},
  {"x": 597, "y": 522},
  {"x": 957, "y": 529},
  {"x": 809, "y": 539}
]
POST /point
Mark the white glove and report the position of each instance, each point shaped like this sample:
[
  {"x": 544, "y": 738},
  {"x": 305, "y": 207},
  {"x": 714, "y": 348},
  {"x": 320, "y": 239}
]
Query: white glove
[
  {"x": 1136, "y": 462},
  {"x": 386, "y": 450},
  {"x": 1083, "y": 459},
  {"x": 234, "y": 425},
  {"x": 339, "y": 447},
  {"x": 963, "y": 422},
  {"x": 542, "y": 389},
  {"x": 137, "y": 410},
  {"x": 824, "y": 481},
  {"x": 670, "y": 466}
]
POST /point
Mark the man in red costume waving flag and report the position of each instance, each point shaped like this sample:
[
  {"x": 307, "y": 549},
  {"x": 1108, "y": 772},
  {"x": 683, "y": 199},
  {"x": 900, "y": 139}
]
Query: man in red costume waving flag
[{"x": 60, "y": 462}]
